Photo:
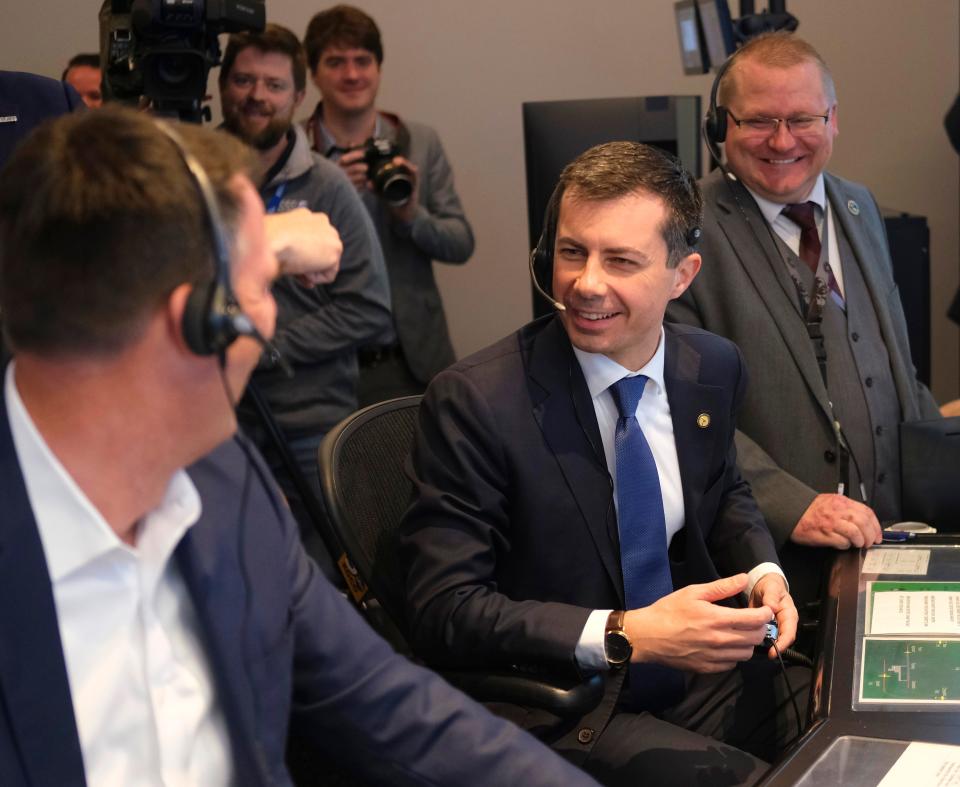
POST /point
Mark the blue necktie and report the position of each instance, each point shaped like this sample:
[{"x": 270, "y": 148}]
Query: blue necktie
[{"x": 643, "y": 539}]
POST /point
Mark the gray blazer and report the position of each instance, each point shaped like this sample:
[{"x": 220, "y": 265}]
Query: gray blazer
[
  {"x": 785, "y": 438},
  {"x": 439, "y": 232}
]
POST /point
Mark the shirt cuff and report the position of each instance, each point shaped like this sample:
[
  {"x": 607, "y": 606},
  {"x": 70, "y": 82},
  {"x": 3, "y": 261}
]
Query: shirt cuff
[
  {"x": 590, "y": 653},
  {"x": 759, "y": 572}
]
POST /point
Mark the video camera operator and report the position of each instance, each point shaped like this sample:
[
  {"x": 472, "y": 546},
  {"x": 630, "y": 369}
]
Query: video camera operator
[{"x": 406, "y": 184}]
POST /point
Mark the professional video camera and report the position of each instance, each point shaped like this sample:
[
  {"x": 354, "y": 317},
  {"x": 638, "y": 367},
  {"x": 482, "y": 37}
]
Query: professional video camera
[
  {"x": 394, "y": 182},
  {"x": 163, "y": 50}
]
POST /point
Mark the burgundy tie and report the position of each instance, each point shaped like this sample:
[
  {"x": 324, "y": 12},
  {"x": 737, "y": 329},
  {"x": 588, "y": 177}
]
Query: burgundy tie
[{"x": 803, "y": 216}]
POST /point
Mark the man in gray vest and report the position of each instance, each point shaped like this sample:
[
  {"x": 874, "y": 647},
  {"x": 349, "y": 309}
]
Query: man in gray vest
[{"x": 796, "y": 270}]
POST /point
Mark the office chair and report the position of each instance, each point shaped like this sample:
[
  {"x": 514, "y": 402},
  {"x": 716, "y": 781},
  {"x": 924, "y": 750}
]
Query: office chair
[{"x": 361, "y": 465}]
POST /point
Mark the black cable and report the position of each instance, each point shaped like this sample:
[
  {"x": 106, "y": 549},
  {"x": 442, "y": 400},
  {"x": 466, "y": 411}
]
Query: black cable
[{"x": 786, "y": 680}]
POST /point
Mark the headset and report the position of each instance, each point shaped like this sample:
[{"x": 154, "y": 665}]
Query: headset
[
  {"x": 212, "y": 319},
  {"x": 716, "y": 120},
  {"x": 541, "y": 257},
  {"x": 714, "y": 130}
]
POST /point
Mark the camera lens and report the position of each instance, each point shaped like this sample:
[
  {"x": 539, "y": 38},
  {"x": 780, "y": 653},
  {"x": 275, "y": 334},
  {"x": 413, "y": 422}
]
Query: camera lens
[
  {"x": 176, "y": 69},
  {"x": 394, "y": 184}
]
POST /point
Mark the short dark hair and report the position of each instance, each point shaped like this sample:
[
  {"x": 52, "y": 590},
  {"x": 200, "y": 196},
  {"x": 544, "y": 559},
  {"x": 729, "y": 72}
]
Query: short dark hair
[
  {"x": 99, "y": 222},
  {"x": 345, "y": 26},
  {"x": 274, "y": 38},
  {"x": 618, "y": 169},
  {"x": 91, "y": 60}
]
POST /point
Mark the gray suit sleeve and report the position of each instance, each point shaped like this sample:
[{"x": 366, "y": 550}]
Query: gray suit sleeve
[
  {"x": 440, "y": 228},
  {"x": 927, "y": 406},
  {"x": 782, "y": 497}
]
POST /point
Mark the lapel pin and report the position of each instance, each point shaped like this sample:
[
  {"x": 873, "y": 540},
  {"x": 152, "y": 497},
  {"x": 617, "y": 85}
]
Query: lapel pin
[
  {"x": 853, "y": 207},
  {"x": 703, "y": 420}
]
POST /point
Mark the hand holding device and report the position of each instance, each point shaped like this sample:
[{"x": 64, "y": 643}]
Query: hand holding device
[{"x": 688, "y": 630}]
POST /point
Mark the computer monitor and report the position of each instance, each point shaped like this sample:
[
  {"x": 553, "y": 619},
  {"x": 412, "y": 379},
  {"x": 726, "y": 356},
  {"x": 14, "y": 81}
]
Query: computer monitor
[
  {"x": 691, "y": 38},
  {"x": 717, "y": 28},
  {"x": 929, "y": 458},
  {"x": 556, "y": 132}
]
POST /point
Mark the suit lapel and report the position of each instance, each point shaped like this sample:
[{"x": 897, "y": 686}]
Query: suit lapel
[
  {"x": 689, "y": 402},
  {"x": 747, "y": 230},
  {"x": 34, "y": 687},
  {"x": 772, "y": 282},
  {"x": 207, "y": 562},
  {"x": 862, "y": 242},
  {"x": 564, "y": 411}
]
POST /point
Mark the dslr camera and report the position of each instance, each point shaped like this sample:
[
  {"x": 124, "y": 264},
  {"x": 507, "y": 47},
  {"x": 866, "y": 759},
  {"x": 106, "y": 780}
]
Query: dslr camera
[
  {"x": 163, "y": 50},
  {"x": 393, "y": 182}
]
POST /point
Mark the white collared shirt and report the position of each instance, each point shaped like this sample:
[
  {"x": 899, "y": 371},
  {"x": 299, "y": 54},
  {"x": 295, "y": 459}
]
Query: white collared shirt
[
  {"x": 653, "y": 415},
  {"x": 789, "y": 231},
  {"x": 141, "y": 685}
]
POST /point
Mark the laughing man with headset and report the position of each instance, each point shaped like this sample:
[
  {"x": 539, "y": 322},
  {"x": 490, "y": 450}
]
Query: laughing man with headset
[{"x": 797, "y": 272}]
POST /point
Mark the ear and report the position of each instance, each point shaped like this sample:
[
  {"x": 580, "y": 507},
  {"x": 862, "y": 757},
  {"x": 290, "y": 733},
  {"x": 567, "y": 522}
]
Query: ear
[
  {"x": 175, "y": 307},
  {"x": 834, "y": 123},
  {"x": 684, "y": 274}
]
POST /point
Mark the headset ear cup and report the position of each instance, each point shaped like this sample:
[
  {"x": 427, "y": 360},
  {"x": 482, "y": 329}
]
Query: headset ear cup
[
  {"x": 710, "y": 125},
  {"x": 196, "y": 322},
  {"x": 543, "y": 253},
  {"x": 719, "y": 125}
]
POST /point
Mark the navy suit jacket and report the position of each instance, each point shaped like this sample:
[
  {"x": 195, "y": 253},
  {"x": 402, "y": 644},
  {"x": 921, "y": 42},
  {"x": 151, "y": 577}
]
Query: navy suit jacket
[
  {"x": 512, "y": 540},
  {"x": 282, "y": 643},
  {"x": 25, "y": 101}
]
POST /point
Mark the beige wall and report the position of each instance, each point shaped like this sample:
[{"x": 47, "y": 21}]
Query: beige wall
[{"x": 465, "y": 67}]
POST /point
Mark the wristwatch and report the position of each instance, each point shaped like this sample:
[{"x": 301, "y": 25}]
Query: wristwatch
[{"x": 616, "y": 643}]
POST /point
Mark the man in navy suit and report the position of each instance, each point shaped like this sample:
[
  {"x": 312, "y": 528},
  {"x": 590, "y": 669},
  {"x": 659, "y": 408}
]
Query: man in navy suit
[
  {"x": 25, "y": 101},
  {"x": 562, "y": 526},
  {"x": 159, "y": 619}
]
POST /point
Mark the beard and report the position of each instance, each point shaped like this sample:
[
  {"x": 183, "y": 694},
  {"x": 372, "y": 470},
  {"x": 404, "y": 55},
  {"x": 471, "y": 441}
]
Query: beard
[{"x": 265, "y": 138}]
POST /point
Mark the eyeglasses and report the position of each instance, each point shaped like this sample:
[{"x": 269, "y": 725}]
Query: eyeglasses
[{"x": 799, "y": 126}]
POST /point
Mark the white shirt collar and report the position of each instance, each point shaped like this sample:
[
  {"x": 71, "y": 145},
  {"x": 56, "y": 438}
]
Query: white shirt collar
[
  {"x": 601, "y": 372},
  {"x": 73, "y": 532},
  {"x": 771, "y": 210}
]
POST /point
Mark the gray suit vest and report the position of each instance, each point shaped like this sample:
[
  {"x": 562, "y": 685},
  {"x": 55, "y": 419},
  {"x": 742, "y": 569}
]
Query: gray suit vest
[{"x": 860, "y": 383}]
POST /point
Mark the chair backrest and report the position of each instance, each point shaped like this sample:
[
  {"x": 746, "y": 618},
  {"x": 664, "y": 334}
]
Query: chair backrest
[{"x": 367, "y": 492}]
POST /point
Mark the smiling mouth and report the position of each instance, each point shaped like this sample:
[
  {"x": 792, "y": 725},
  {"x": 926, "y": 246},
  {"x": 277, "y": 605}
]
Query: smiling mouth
[
  {"x": 594, "y": 316},
  {"x": 782, "y": 161},
  {"x": 255, "y": 111}
]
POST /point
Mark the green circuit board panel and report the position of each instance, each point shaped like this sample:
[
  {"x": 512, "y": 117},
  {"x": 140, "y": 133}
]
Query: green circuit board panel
[{"x": 919, "y": 671}]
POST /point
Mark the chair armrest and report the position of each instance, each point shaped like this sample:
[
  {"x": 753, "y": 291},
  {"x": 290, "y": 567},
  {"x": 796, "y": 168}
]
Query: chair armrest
[{"x": 561, "y": 697}]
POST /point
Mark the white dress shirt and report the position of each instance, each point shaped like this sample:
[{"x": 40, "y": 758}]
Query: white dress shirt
[
  {"x": 142, "y": 689},
  {"x": 789, "y": 231},
  {"x": 653, "y": 415}
]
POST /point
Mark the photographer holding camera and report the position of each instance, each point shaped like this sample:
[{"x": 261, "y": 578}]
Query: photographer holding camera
[{"x": 406, "y": 184}]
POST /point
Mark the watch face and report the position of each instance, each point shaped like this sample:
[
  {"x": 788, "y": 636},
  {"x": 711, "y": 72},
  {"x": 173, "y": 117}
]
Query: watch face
[{"x": 617, "y": 647}]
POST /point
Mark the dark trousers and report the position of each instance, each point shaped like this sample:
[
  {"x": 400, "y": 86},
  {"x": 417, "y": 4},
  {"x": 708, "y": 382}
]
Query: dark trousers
[
  {"x": 386, "y": 378},
  {"x": 725, "y": 731}
]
